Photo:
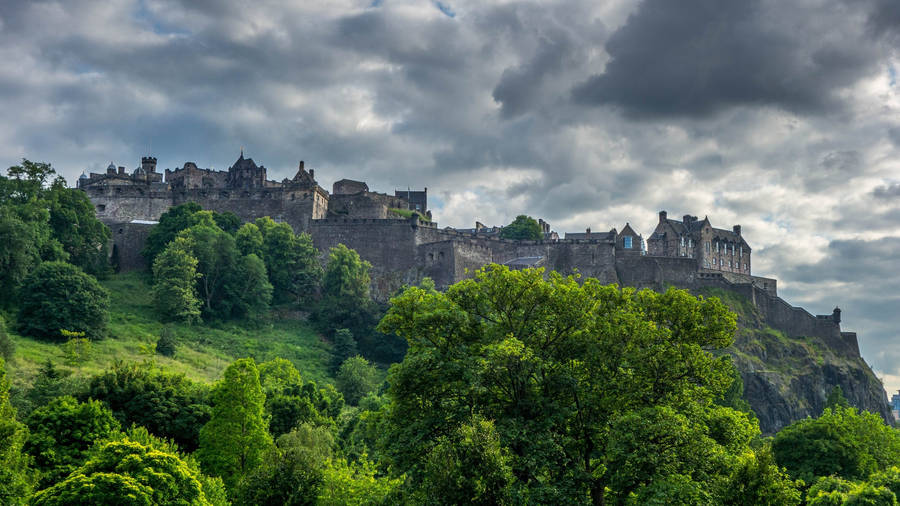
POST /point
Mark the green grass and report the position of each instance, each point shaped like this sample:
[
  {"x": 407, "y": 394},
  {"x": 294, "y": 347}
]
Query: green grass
[
  {"x": 204, "y": 350},
  {"x": 408, "y": 213}
]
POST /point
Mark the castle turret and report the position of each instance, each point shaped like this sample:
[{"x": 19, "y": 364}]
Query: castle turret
[
  {"x": 836, "y": 315},
  {"x": 148, "y": 163}
]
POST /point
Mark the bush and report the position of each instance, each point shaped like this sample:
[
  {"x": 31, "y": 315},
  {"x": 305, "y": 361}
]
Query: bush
[
  {"x": 166, "y": 346},
  {"x": 77, "y": 349},
  {"x": 58, "y": 295}
]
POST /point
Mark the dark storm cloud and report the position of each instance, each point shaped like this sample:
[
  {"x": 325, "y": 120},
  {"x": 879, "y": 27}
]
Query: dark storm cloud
[
  {"x": 695, "y": 57},
  {"x": 848, "y": 261},
  {"x": 478, "y": 106}
]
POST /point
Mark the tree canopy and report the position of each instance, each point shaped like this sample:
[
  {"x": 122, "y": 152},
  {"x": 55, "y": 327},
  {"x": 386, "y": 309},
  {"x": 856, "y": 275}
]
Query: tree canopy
[
  {"x": 59, "y": 296},
  {"x": 523, "y": 228},
  {"x": 579, "y": 379}
]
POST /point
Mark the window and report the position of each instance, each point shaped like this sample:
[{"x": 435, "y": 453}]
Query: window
[
  {"x": 714, "y": 261},
  {"x": 627, "y": 242},
  {"x": 707, "y": 247},
  {"x": 717, "y": 246},
  {"x": 682, "y": 241},
  {"x": 745, "y": 267},
  {"x": 742, "y": 252}
]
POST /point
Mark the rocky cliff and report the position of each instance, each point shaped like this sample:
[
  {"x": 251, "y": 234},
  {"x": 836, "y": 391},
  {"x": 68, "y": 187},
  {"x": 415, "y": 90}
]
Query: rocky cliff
[{"x": 787, "y": 378}]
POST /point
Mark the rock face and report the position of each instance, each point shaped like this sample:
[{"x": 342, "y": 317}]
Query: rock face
[{"x": 787, "y": 378}]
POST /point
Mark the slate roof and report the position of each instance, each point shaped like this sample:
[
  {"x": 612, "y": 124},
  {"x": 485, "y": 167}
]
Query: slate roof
[{"x": 609, "y": 236}]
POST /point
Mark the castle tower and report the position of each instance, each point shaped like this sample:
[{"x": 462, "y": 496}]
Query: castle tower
[{"x": 148, "y": 163}]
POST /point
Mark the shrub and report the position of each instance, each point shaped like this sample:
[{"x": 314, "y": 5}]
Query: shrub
[{"x": 58, "y": 295}]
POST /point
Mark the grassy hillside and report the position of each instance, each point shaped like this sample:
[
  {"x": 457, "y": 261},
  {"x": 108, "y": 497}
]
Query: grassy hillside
[{"x": 204, "y": 350}]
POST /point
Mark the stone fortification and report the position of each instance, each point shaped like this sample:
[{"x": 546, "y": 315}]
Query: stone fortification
[{"x": 396, "y": 235}]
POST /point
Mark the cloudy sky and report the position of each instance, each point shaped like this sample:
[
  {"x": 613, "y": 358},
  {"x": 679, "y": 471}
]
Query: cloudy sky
[{"x": 781, "y": 116}]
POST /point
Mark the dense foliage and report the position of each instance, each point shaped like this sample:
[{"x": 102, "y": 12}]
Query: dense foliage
[
  {"x": 523, "y": 228},
  {"x": 59, "y": 296},
  {"x": 168, "y": 405},
  {"x": 589, "y": 386},
  {"x": 16, "y": 477}
]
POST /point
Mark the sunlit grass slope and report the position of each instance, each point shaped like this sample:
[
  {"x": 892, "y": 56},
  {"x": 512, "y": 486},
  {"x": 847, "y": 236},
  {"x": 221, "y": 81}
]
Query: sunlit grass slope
[{"x": 204, "y": 350}]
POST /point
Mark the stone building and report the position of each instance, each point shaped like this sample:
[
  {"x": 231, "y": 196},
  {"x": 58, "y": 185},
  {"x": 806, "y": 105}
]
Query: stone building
[{"x": 715, "y": 249}]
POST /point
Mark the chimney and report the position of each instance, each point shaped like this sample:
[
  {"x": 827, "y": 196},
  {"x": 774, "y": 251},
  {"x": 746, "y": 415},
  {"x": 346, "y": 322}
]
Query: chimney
[
  {"x": 122, "y": 171},
  {"x": 662, "y": 216},
  {"x": 301, "y": 164},
  {"x": 478, "y": 226},
  {"x": 737, "y": 229},
  {"x": 588, "y": 232},
  {"x": 686, "y": 219}
]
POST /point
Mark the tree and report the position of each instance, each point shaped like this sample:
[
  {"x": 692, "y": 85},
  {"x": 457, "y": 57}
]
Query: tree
[
  {"x": 58, "y": 295},
  {"x": 235, "y": 440},
  {"x": 523, "y": 228},
  {"x": 355, "y": 484},
  {"x": 171, "y": 223},
  {"x": 292, "y": 260},
  {"x": 63, "y": 431},
  {"x": 344, "y": 347},
  {"x": 175, "y": 278},
  {"x": 16, "y": 477},
  {"x": 247, "y": 289},
  {"x": 127, "y": 472},
  {"x": 469, "y": 467},
  {"x": 565, "y": 371},
  {"x": 355, "y": 378},
  {"x": 292, "y": 473},
  {"x": 166, "y": 344},
  {"x": 249, "y": 239},
  {"x": 345, "y": 299},
  {"x": 290, "y": 401},
  {"x": 169, "y": 405},
  {"x": 842, "y": 442},
  {"x": 74, "y": 224}
]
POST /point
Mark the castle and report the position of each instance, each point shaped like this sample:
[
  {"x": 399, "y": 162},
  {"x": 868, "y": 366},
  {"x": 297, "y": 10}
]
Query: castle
[{"x": 397, "y": 235}]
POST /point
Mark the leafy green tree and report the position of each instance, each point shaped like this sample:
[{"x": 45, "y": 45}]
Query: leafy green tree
[
  {"x": 217, "y": 258},
  {"x": 235, "y": 440},
  {"x": 7, "y": 346},
  {"x": 168, "y": 405},
  {"x": 16, "y": 477},
  {"x": 292, "y": 472},
  {"x": 355, "y": 484},
  {"x": 290, "y": 401},
  {"x": 227, "y": 221},
  {"x": 58, "y": 295},
  {"x": 565, "y": 371},
  {"x": 345, "y": 301},
  {"x": 249, "y": 240},
  {"x": 831, "y": 490},
  {"x": 171, "y": 223},
  {"x": 74, "y": 224},
  {"x": 292, "y": 260},
  {"x": 63, "y": 431},
  {"x": 469, "y": 467},
  {"x": 127, "y": 472},
  {"x": 757, "y": 479},
  {"x": 344, "y": 348},
  {"x": 247, "y": 289},
  {"x": 888, "y": 478},
  {"x": 836, "y": 399},
  {"x": 20, "y": 252},
  {"x": 841, "y": 442},
  {"x": 175, "y": 280},
  {"x": 523, "y": 228},
  {"x": 356, "y": 378}
]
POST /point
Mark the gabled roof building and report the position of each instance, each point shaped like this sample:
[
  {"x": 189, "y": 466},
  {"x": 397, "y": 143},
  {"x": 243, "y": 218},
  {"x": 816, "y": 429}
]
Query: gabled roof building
[{"x": 715, "y": 249}]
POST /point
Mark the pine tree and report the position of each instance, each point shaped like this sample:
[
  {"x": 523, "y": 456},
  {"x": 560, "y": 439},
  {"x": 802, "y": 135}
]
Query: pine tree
[{"x": 234, "y": 441}]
